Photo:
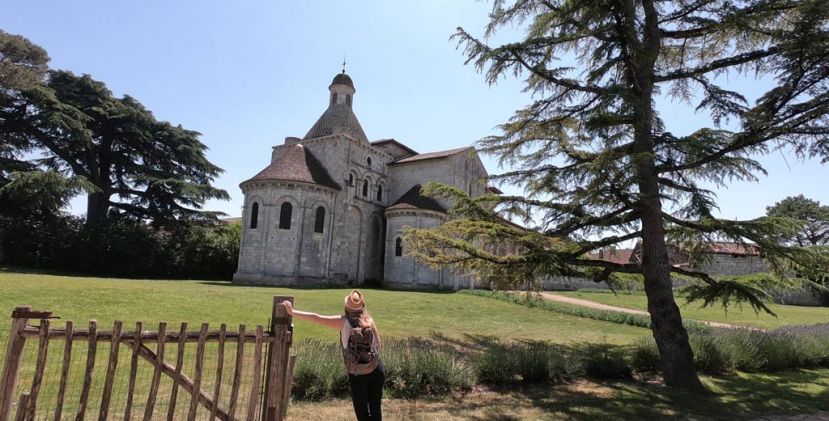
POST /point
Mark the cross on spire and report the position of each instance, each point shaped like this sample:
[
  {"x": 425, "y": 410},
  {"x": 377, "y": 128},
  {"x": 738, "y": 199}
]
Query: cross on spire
[{"x": 343, "y": 63}]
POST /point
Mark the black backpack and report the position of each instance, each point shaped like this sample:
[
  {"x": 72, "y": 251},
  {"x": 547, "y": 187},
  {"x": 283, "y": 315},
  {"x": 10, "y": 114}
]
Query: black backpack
[{"x": 360, "y": 355}]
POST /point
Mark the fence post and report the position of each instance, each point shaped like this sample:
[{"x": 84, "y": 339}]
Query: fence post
[
  {"x": 277, "y": 360},
  {"x": 11, "y": 363}
]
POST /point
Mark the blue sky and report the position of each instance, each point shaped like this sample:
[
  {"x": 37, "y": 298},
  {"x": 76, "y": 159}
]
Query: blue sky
[{"x": 248, "y": 74}]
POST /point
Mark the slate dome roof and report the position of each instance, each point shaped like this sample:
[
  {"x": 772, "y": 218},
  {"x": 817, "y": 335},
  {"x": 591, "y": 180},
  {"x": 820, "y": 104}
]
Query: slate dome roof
[
  {"x": 343, "y": 79},
  {"x": 338, "y": 118}
]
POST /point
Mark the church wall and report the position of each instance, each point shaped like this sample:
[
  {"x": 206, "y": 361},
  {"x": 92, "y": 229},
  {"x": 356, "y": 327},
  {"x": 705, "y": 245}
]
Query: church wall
[
  {"x": 271, "y": 255},
  {"x": 463, "y": 170},
  {"x": 404, "y": 271}
]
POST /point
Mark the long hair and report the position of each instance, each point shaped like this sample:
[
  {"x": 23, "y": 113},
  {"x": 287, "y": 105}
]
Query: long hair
[{"x": 361, "y": 318}]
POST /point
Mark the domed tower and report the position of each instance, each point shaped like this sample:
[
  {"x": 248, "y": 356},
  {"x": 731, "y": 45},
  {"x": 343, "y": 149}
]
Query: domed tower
[{"x": 339, "y": 116}]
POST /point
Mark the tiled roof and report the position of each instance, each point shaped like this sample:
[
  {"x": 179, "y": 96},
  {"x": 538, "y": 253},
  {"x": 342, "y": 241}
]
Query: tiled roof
[
  {"x": 412, "y": 199},
  {"x": 338, "y": 118},
  {"x": 734, "y": 248},
  {"x": 296, "y": 163},
  {"x": 432, "y": 155},
  {"x": 621, "y": 256},
  {"x": 395, "y": 142},
  {"x": 493, "y": 189}
]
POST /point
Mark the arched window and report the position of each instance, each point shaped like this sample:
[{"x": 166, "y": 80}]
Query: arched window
[
  {"x": 319, "y": 221},
  {"x": 285, "y": 216},
  {"x": 334, "y": 98},
  {"x": 254, "y": 215},
  {"x": 398, "y": 247},
  {"x": 351, "y": 179},
  {"x": 348, "y": 100},
  {"x": 365, "y": 188},
  {"x": 379, "y": 193}
]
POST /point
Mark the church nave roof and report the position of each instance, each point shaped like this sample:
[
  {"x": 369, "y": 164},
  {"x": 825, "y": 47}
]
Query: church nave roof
[{"x": 412, "y": 199}]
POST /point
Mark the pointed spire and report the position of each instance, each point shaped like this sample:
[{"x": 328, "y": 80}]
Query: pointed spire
[{"x": 343, "y": 63}]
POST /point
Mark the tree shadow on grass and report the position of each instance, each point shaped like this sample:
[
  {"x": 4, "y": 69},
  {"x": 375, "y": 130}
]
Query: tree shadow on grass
[
  {"x": 738, "y": 398},
  {"x": 738, "y": 395}
]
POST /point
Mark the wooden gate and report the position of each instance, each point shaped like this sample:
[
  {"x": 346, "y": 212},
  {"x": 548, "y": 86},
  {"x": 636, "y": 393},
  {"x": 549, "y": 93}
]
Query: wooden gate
[{"x": 247, "y": 378}]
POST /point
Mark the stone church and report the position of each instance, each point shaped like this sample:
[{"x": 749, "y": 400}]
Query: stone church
[{"x": 331, "y": 206}]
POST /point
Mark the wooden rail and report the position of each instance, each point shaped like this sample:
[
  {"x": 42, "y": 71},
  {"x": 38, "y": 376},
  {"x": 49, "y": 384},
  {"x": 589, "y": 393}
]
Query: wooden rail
[{"x": 275, "y": 375}]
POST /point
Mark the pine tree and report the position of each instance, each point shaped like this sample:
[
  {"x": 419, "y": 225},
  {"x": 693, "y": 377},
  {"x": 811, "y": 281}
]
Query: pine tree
[
  {"x": 599, "y": 166},
  {"x": 811, "y": 217},
  {"x": 114, "y": 148}
]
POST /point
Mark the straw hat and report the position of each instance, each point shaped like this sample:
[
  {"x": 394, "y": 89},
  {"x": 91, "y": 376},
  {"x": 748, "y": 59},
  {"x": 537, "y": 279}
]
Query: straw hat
[{"x": 354, "y": 301}]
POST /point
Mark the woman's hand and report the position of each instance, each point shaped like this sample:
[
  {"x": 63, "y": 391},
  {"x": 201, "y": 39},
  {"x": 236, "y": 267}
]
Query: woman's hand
[{"x": 289, "y": 308}]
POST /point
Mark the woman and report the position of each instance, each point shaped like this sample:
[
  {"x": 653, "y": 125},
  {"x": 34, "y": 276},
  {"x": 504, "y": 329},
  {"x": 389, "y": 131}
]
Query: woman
[{"x": 360, "y": 344}]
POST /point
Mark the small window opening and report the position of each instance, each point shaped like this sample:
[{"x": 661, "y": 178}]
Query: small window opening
[
  {"x": 285, "y": 216},
  {"x": 351, "y": 179},
  {"x": 348, "y": 100},
  {"x": 334, "y": 98},
  {"x": 365, "y": 188},
  {"x": 254, "y": 215},
  {"x": 398, "y": 247},
  {"x": 379, "y": 193},
  {"x": 319, "y": 221}
]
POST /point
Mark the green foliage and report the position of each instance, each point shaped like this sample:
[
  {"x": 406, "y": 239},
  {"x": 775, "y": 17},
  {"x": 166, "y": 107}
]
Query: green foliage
[
  {"x": 38, "y": 192},
  {"x": 708, "y": 357},
  {"x": 120, "y": 247},
  {"x": 644, "y": 356},
  {"x": 603, "y": 361},
  {"x": 739, "y": 290},
  {"x": 319, "y": 372},
  {"x": 812, "y": 218},
  {"x": 128, "y": 161},
  {"x": 416, "y": 368},
  {"x": 721, "y": 351},
  {"x": 599, "y": 166}
]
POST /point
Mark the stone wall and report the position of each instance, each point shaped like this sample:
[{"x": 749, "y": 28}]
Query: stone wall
[{"x": 730, "y": 265}]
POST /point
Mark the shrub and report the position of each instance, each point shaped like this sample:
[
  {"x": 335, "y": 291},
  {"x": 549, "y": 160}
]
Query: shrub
[
  {"x": 604, "y": 361},
  {"x": 533, "y": 361},
  {"x": 417, "y": 368},
  {"x": 495, "y": 365},
  {"x": 414, "y": 368},
  {"x": 645, "y": 356},
  {"x": 708, "y": 357},
  {"x": 319, "y": 372}
]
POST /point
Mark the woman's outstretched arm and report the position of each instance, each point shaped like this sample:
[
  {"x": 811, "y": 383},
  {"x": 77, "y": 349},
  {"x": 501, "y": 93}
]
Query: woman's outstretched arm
[{"x": 335, "y": 322}]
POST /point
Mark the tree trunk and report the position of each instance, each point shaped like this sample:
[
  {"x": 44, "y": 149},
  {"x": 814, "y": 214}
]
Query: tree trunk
[
  {"x": 678, "y": 368},
  {"x": 97, "y": 205},
  {"x": 671, "y": 337}
]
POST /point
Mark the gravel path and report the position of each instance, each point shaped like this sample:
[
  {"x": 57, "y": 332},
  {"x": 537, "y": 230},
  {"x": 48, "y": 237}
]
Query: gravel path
[{"x": 599, "y": 306}]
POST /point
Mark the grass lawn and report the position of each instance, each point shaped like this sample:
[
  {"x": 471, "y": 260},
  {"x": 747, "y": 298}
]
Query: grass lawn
[
  {"x": 743, "y": 396},
  {"x": 405, "y": 314},
  {"x": 399, "y": 314},
  {"x": 786, "y": 315}
]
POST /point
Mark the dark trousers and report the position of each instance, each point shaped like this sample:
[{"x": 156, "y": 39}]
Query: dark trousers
[{"x": 366, "y": 394}]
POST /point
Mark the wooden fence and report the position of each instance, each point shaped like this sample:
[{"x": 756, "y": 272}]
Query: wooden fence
[{"x": 263, "y": 397}]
